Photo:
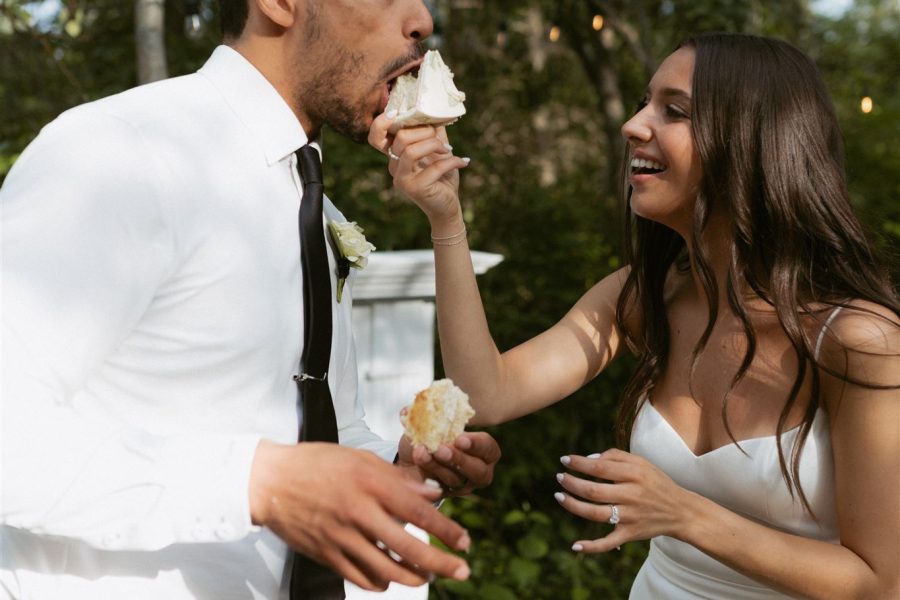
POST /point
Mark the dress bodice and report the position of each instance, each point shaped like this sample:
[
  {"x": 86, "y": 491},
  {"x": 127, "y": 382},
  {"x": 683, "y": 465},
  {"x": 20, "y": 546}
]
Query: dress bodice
[{"x": 744, "y": 478}]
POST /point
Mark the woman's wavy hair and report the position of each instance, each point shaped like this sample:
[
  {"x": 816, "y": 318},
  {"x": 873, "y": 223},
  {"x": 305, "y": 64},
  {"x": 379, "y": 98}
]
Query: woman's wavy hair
[{"x": 772, "y": 157}]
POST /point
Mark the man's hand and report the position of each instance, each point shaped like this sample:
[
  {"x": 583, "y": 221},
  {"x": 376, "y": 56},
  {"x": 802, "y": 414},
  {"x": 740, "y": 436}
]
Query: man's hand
[
  {"x": 466, "y": 465},
  {"x": 343, "y": 508}
]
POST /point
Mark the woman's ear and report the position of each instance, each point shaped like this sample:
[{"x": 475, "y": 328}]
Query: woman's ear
[{"x": 280, "y": 12}]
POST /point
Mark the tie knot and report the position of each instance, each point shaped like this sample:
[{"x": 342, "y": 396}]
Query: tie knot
[{"x": 310, "y": 164}]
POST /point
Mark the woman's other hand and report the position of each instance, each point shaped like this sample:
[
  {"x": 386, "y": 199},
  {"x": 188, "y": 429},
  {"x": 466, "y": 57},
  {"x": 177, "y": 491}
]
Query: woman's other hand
[{"x": 647, "y": 502}]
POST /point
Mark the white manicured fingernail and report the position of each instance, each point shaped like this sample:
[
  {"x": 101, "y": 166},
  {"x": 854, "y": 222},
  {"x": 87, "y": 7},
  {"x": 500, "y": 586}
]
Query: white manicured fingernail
[
  {"x": 466, "y": 159},
  {"x": 560, "y": 497},
  {"x": 462, "y": 573},
  {"x": 577, "y": 547},
  {"x": 391, "y": 113},
  {"x": 432, "y": 483},
  {"x": 464, "y": 542},
  {"x": 565, "y": 460},
  {"x": 559, "y": 477},
  {"x": 448, "y": 147},
  {"x": 594, "y": 455}
]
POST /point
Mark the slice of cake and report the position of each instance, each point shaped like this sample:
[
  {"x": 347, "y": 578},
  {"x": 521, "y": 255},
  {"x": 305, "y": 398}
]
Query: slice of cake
[
  {"x": 430, "y": 99},
  {"x": 437, "y": 416}
]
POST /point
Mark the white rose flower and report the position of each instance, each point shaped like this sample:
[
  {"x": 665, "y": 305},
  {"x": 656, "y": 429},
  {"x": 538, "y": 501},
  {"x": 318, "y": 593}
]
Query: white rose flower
[{"x": 353, "y": 247}]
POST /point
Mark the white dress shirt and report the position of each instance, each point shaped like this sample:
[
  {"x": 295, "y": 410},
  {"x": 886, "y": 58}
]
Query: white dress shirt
[{"x": 152, "y": 322}]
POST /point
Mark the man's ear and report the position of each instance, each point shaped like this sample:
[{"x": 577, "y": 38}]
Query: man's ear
[{"x": 279, "y": 12}]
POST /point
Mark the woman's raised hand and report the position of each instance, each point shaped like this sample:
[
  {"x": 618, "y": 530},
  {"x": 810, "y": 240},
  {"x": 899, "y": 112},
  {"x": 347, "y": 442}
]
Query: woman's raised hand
[
  {"x": 647, "y": 502},
  {"x": 424, "y": 168}
]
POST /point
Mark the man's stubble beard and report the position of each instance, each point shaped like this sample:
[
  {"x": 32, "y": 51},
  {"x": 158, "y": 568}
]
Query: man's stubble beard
[{"x": 329, "y": 97}]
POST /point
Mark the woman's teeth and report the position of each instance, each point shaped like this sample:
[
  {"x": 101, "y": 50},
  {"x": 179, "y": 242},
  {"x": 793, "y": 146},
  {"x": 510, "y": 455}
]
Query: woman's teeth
[{"x": 643, "y": 163}]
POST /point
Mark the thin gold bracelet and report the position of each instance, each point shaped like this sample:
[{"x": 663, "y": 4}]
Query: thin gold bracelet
[{"x": 445, "y": 241}]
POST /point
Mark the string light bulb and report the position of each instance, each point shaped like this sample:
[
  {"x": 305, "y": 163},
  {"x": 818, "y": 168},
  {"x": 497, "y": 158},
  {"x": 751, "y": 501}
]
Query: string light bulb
[
  {"x": 502, "y": 35},
  {"x": 597, "y": 23},
  {"x": 865, "y": 104},
  {"x": 554, "y": 33},
  {"x": 193, "y": 25}
]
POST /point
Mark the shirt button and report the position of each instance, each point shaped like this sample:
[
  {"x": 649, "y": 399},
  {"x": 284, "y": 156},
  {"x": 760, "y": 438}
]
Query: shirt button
[{"x": 224, "y": 531}]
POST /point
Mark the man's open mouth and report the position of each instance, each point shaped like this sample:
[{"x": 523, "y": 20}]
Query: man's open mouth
[{"x": 412, "y": 69}]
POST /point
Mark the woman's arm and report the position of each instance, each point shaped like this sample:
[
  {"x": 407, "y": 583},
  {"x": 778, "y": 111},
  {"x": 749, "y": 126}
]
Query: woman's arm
[
  {"x": 865, "y": 433},
  {"x": 532, "y": 375}
]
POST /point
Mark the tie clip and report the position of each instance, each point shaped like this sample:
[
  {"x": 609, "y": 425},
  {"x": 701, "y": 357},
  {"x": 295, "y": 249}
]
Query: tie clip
[{"x": 305, "y": 376}]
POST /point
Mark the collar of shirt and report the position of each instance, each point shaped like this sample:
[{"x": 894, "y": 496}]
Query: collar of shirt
[{"x": 257, "y": 103}]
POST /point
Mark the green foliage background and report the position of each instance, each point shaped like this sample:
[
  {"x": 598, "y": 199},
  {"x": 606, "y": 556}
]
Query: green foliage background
[{"x": 538, "y": 191}]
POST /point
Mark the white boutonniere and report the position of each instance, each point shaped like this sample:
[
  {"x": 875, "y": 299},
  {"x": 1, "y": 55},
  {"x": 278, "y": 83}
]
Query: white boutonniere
[{"x": 353, "y": 247}]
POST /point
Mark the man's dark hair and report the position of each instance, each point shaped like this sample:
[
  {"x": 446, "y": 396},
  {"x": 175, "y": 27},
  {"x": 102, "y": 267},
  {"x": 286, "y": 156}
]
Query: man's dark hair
[{"x": 233, "y": 17}]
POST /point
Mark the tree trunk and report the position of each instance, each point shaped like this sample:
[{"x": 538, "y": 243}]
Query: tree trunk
[
  {"x": 597, "y": 56},
  {"x": 150, "y": 42}
]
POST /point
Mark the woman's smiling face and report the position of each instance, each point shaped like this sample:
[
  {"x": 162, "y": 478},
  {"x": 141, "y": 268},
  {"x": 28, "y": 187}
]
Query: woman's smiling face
[{"x": 665, "y": 167}]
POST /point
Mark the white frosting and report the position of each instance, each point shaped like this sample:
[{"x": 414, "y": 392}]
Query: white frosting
[{"x": 432, "y": 99}]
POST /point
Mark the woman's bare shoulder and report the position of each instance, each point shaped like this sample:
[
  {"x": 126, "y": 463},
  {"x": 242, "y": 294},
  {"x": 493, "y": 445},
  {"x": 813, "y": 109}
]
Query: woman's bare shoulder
[
  {"x": 865, "y": 326},
  {"x": 862, "y": 343}
]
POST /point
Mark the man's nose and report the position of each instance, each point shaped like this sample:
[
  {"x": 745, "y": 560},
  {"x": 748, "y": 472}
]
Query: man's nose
[{"x": 419, "y": 24}]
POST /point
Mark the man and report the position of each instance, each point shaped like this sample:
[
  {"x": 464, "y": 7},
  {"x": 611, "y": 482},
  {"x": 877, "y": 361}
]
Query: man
[{"x": 152, "y": 328}]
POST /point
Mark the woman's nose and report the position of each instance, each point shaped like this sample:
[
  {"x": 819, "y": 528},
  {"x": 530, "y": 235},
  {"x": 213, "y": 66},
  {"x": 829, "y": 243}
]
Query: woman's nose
[{"x": 636, "y": 129}]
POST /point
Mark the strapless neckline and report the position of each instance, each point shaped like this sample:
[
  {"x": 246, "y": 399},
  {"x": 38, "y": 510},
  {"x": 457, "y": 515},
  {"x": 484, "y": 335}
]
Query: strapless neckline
[{"x": 720, "y": 449}]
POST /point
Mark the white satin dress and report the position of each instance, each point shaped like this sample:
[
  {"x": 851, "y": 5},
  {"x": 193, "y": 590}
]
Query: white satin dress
[{"x": 750, "y": 484}]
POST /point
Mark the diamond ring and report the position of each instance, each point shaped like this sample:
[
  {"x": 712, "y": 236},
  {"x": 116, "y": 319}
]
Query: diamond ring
[
  {"x": 392, "y": 155},
  {"x": 614, "y": 514}
]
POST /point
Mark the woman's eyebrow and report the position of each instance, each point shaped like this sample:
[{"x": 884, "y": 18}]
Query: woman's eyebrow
[{"x": 670, "y": 92}]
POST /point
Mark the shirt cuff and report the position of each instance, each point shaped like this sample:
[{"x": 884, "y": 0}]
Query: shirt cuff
[{"x": 217, "y": 493}]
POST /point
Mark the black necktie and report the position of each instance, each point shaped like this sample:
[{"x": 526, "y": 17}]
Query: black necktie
[{"x": 310, "y": 580}]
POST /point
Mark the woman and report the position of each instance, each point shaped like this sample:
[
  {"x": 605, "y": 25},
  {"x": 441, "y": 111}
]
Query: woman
[{"x": 764, "y": 415}]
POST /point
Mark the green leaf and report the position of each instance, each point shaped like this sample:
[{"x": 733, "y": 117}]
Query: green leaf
[
  {"x": 532, "y": 546},
  {"x": 524, "y": 572},
  {"x": 513, "y": 517},
  {"x": 465, "y": 589},
  {"x": 496, "y": 591},
  {"x": 473, "y": 520},
  {"x": 580, "y": 593}
]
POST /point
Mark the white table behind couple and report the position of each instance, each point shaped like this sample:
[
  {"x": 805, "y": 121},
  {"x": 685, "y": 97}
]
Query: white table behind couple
[{"x": 394, "y": 328}]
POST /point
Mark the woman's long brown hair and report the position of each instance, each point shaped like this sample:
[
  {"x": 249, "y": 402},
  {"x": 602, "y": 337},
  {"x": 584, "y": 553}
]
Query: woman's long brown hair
[{"x": 772, "y": 157}]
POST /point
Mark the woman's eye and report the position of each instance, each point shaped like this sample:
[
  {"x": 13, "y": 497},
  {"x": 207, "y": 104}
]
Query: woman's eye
[{"x": 674, "y": 112}]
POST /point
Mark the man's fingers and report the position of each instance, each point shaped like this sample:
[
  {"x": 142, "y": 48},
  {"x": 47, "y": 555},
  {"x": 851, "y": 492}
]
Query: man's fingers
[
  {"x": 452, "y": 481},
  {"x": 474, "y": 455},
  {"x": 480, "y": 444},
  {"x": 414, "y": 510},
  {"x": 344, "y": 566},
  {"x": 376, "y": 564},
  {"x": 411, "y": 550},
  {"x": 471, "y": 468}
]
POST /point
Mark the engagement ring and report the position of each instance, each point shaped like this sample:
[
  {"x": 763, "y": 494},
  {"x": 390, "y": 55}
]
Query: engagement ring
[
  {"x": 614, "y": 514},
  {"x": 392, "y": 155}
]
